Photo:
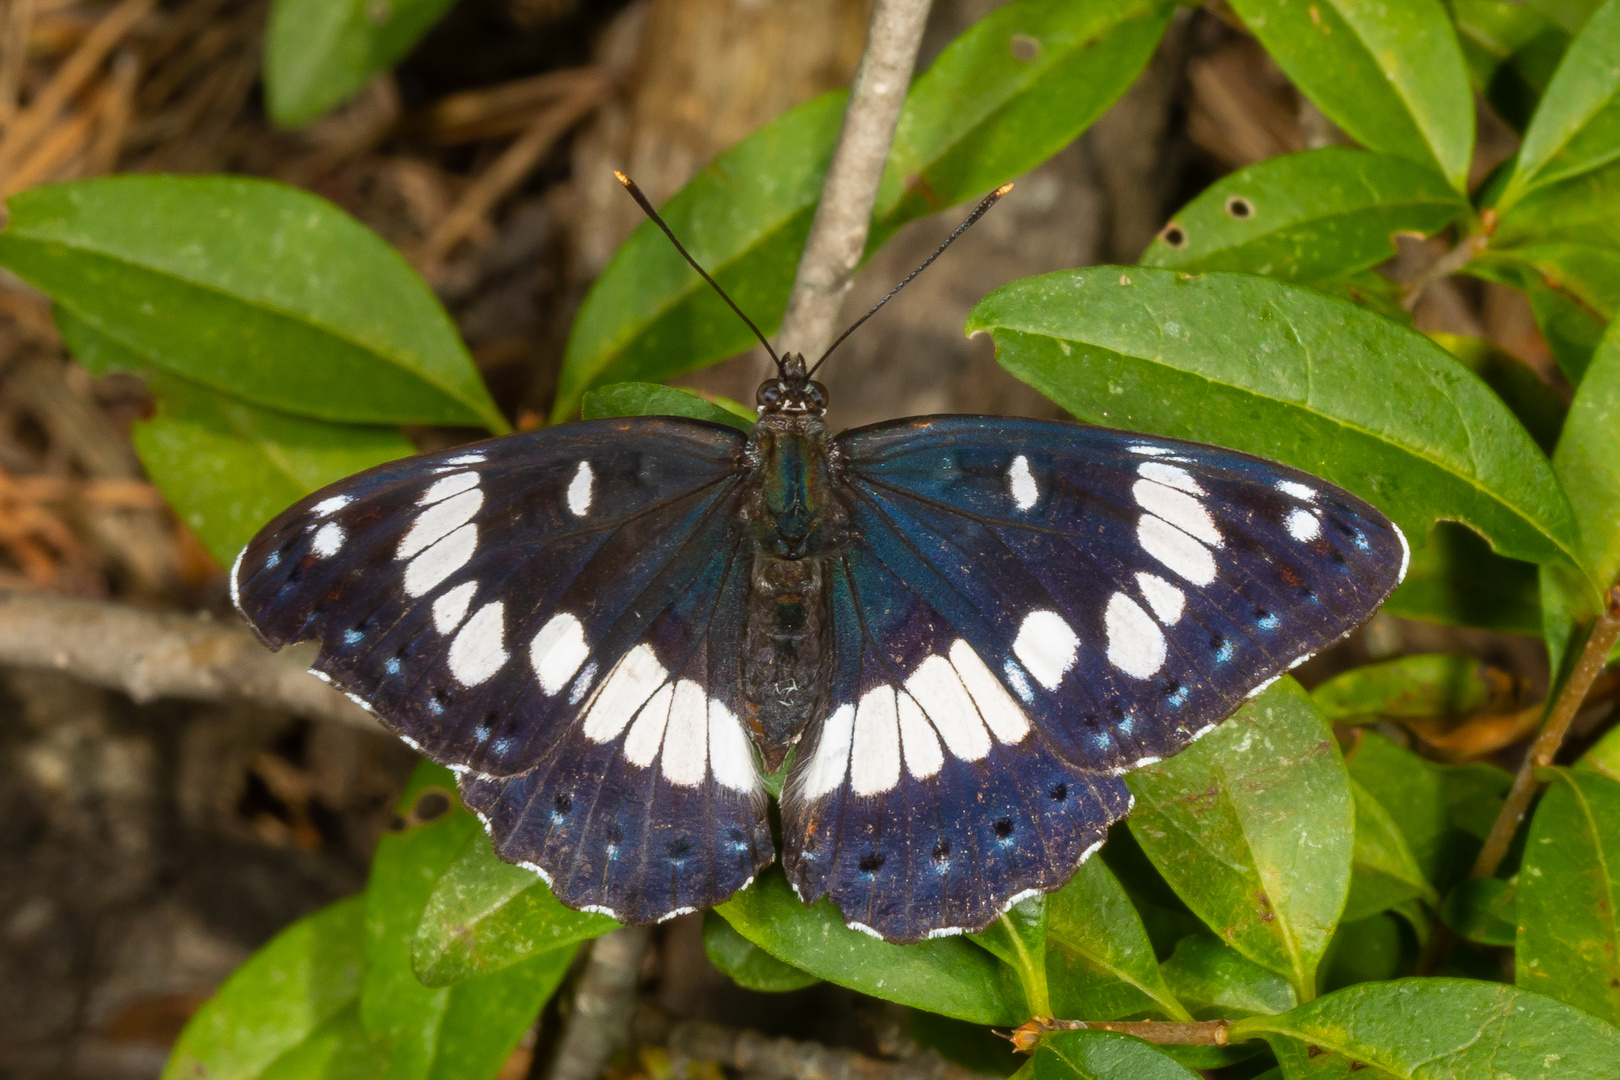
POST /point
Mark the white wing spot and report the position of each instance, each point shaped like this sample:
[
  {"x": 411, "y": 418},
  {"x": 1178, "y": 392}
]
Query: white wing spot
[
  {"x": 1021, "y": 483},
  {"x": 918, "y": 743},
  {"x": 1047, "y": 647},
  {"x": 1175, "y": 549},
  {"x": 827, "y": 768},
  {"x": 444, "y": 487},
  {"x": 1170, "y": 476},
  {"x": 628, "y": 686},
  {"x": 875, "y": 763},
  {"x": 1165, "y": 599},
  {"x": 236, "y": 581},
  {"x": 327, "y": 507},
  {"x": 729, "y": 756},
  {"x": 1406, "y": 552},
  {"x": 1135, "y": 643},
  {"x": 451, "y": 608},
  {"x": 557, "y": 651},
  {"x": 999, "y": 711},
  {"x": 686, "y": 740},
  {"x": 1179, "y": 509},
  {"x": 937, "y": 688},
  {"x": 1297, "y": 490},
  {"x": 579, "y": 490},
  {"x": 328, "y": 539},
  {"x": 647, "y": 732},
  {"x": 1303, "y": 525},
  {"x": 438, "y": 562},
  {"x": 479, "y": 648},
  {"x": 439, "y": 521}
]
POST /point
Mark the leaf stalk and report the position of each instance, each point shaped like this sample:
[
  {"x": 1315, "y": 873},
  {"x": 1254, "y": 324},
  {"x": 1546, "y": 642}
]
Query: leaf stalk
[{"x": 1028, "y": 1036}]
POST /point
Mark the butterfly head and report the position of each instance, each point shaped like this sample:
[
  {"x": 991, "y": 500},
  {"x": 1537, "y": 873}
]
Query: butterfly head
[{"x": 792, "y": 391}]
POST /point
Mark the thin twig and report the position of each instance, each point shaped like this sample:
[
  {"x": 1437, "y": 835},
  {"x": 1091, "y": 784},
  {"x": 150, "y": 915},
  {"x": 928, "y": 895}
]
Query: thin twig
[
  {"x": 1443, "y": 267},
  {"x": 1168, "y": 1032},
  {"x": 604, "y": 1005},
  {"x": 150, "y": 655},
  {"x": 838, "y": 232}
]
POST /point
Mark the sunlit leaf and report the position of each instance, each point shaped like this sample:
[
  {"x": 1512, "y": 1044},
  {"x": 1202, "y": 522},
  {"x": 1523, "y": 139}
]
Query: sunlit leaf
[
  {"x": 1104, "y": 1055},
  {"x": 1018, "y": 939},
  {"x": 1421, "y": 685},
  {"x": 1216, "y": 982},
  {"x": 1537, "y": 405},
  {"x": 1107, "y": 962},
  {"x": 656, "y": 399}
]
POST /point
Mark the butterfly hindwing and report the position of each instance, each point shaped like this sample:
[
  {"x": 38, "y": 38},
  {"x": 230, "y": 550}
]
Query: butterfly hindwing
[{"x": 515, "y": 610}]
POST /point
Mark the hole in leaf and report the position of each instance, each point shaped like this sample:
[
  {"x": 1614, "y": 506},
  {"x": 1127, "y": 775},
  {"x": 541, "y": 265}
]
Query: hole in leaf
[
  {"x": 1024, "y": 48},
  {"x": 1174, "y": 235},
  {"x": 1240, "y": 208}
]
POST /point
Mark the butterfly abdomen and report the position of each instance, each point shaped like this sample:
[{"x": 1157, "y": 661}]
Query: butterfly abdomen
[{"x": 786, "y": 651}]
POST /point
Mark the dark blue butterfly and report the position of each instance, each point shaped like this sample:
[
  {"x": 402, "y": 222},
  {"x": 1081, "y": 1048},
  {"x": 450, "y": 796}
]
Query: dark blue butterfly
[{"x": 969, "y": 627}]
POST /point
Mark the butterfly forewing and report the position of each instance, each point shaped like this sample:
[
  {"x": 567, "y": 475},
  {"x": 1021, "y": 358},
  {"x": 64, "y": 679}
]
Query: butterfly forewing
[{"x": 536, "y": 612}]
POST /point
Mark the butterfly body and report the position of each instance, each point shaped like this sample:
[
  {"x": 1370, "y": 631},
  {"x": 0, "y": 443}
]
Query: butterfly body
[{"x": 964, "y": 628}]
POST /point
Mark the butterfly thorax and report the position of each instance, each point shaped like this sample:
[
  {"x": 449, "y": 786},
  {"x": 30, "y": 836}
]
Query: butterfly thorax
[{"x": 797, "y": 523}]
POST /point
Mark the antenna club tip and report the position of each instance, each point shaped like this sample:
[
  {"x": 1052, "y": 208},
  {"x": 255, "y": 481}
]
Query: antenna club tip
[
  {"x": 625, "y": 180},
  {"x": 1003, "y": 189}
]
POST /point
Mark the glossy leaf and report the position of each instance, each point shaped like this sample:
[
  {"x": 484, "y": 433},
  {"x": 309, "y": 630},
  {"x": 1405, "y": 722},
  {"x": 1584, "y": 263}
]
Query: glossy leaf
[
  {"x": 1018, "y": 939},
  {"x": 1444, "y": 1029},
  {"x": 1569, "y": 895},
  {"x": 279, "y": 1001},
  {"x": 950, "y": 975},
  {"x": 485, "y": 915},
  {"x": 1577, "y": 127},
  {"x": 1311, "y": 217},
  {"x": 1014, "y": 89},
  {"x": 1421, "y": 685},
  {"x": 749, "y": 966},
  {"x": 1107, "y": 958},
  {"x": 228, "y": 467},
  {"x": 1384, "y": 873},
  {"x": 1391, "y": 75},
  {"x": 1104, "y": 1055},
  {"x": 1288, "y": 374},
  {"x": 318, "y": 52},
  {"x": 1537, "y": 405},
  {"x": 454, "y": 1033},
  {"x": 1511, "y": 52},
  {"x": 1396, "y": 777},
  {"x": 1455, "y": 579},
  {"x": 1216, "y": 982},
  {"x": 1483, "y": 910},
  {"x": 656, "y": 399},
  {"x": 1253, "y": 826},
  {"x": 253, "y": 288}
]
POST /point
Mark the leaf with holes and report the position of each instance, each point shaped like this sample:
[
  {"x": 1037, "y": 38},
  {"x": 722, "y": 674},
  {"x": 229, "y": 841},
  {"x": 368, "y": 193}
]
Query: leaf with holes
[
  {"x": 1288, "y": 374},
  {"x": 1568, "y": 904},
  {"x": 656, "y": 399},
  {"x": 950, "y": 976},
  {"x": 1100, "y": 963},
  {"x": 1442, "y": 1029},
  {"x": 1217, "y": 982},
  {"x": 251, "y": 288},
  {"x": 485, "y": 915},
  {"x": 1384, "y": 873},
  {"x": 287, "y": 1001},
  {"x": 1311, "y": 217},
  {"x": 1511, "y": 53},
  {"x": 318, "y": 52},
  {"x": 465, "y": 1030},
  {"x": 749, "y": 966},
  {"x": 1391, "y": 75},
  {"x": 1577, "y": 127},
  {"x": 1253, "y": 826}
]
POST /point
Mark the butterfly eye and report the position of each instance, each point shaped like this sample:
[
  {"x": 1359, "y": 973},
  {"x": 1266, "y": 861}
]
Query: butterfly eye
[
  {"x": 815, "y": 395},
  {"x": 770, "y": 394}
]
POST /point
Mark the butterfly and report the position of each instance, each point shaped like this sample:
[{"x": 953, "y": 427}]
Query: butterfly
[{"x": 957, "y": 631}]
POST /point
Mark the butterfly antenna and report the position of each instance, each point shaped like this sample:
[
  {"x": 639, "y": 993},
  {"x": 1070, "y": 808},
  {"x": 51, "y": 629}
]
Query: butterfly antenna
[
  {"x": 647, "y": 208},
  {"x": 978, "y": 212}
]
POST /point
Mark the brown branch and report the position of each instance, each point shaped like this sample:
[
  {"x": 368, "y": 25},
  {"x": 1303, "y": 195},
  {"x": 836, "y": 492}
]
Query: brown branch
[
  {"x": 844, "y": 215},
  {"x": 150, "y": 655},
  {"x": 753, "y": 1054},
  {"x": 604, "y": 1005},
  {"x": 1443, "y": 267},
  {"x": 1168, "y": 1032}
]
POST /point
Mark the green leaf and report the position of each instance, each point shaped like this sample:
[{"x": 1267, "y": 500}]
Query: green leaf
[
  {"x": 1391, "y": 75},
  {"x": 656, "y": 399},
  {"x": 749, "y": 966},
  {"x": 1474, "y": 795},
  {"x": 950, "y": 975},
  {"x": 278, "y": 1001},
  {"x": 484, "y": 915},
  {"x": 318, "y": 52},
  {"x": 1018, "y": 939},
  {"x": 1587, "y": 461},
  {"x": 1604, "y": 756},
  {"x": 1537, "y": 405},
  {"x": 1395, "y": 776},
  {"x": 1311, "y": 217},
  {"x": 228, "y": 467},
  {"x": 1511, "y": 54},
  {"x": 252, "y": 288},
  {"x": 1560, "y": 304},
  {"x": 977, "y": 1049},
  {"x": 1014, "y": 89},
  {"x": 339, "y": 1049},
  {"x": 1104, "y": 1055},
  {"x": 1455, "y": 579},
  {"x": 1368, "y": 950},
  {"x": 1444, "y": 1029},
  {"x": 1254, "y": 828},
  {"x": 1289, "y": 374},
  {"x": 1483, "y": 910},
  {"x": 1569, "y": 895},
  {"x": 1384, "y": 873},
  {"x": 461, "y": 1032},
  {"x": 1106, "y": 962},
  {"x": 1409, "y": 687},
  {"x": 1577, "y": 127},
  {"x": 1217, "y": 982},
  {"x": 1569, "y": 14}
]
